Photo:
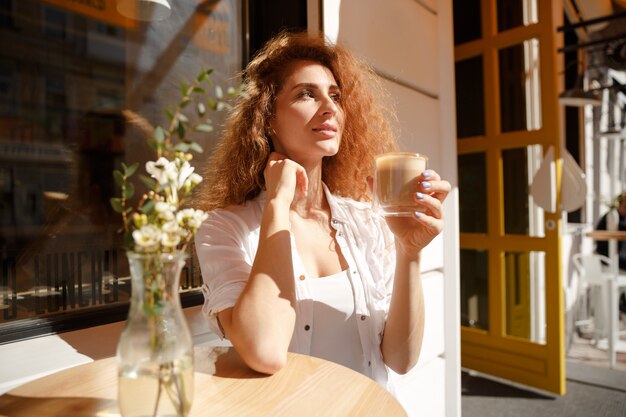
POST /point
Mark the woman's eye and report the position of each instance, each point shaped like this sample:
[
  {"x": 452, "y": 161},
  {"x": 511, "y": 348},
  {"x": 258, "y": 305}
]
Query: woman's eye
[
  {"x": 336, "y": 97},
  {"x": 306, "y": 94}
]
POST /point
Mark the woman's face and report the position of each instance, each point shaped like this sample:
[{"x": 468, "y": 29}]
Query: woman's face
[{"x": 308, "y": 119}]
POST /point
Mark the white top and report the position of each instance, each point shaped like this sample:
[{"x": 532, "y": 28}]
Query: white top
[
  {"x": 226, "y": 245},
  {"x": 335, "y": 331}
]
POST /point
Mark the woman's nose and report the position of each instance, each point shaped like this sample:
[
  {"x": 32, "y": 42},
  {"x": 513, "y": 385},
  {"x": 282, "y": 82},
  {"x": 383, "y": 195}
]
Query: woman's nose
[{"x": 329, "y": 106}]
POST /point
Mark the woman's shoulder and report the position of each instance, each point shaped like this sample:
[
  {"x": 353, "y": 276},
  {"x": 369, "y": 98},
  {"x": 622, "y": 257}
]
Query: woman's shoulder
[{"x": 245, "y": 216}]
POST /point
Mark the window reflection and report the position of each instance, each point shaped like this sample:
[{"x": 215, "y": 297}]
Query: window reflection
[
  {"x": 515, "y": 13},
  {"x": 473, "y": 193},
  {"x": 474, "y": 289},
  {"x": 522, "y": 216},
  {"x": 63, "y": 129},
  {"x": 520, "y": 89},
  {"x": 525, "y": 295},
  {"x": 470, "y": 99}
]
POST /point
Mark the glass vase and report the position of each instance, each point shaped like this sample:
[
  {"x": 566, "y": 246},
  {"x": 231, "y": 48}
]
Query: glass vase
[{"x": 155, "y": 350}]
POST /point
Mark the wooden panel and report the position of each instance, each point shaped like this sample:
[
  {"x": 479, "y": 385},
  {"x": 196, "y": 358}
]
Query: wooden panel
[{"x": 397, "y": 37}]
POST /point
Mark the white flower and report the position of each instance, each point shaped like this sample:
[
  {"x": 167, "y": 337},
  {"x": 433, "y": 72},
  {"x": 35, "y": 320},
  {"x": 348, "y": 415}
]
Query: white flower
[
  {"x": 170, "y": 240},
  {"x": 191, "y": 218},
  {"x": 161, "y": 170},
  {"x": 170, "y": 226},
  {"x": 147, "y": 238},
  {"x": 184, "y": 172},
  {"x": 165, "y": 210}
]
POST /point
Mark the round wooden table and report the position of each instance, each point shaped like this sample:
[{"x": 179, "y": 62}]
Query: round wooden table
[{"x": 224, "y": 386}]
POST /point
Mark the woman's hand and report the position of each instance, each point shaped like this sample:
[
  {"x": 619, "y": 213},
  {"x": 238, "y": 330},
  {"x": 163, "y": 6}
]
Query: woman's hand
[
  {"x": 415, "y": 232},
  {"x": 283, "y": 177}
]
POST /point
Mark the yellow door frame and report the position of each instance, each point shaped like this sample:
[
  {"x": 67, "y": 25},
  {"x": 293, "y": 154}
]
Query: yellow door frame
[{"x": 492, "y": 351}]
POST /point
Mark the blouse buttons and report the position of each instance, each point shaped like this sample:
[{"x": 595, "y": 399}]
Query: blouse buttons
[
  {"x": 363, "y": 318},
  {"x": 301, "y": 277},
  {"x": 307, "y": 327}
]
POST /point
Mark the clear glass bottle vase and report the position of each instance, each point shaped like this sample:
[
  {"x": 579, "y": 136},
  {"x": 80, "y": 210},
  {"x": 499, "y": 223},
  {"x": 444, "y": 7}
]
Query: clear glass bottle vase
[{"x": 155, "y": 350}]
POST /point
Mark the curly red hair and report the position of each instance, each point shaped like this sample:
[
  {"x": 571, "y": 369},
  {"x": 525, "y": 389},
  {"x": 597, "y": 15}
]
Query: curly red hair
[{"x": 234, "y": 173}]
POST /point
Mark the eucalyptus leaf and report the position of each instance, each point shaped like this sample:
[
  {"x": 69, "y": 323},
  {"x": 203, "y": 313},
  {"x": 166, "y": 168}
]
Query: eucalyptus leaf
[
  {"x": 118, "y": 177},
  {"x": 159, "y": 134},
  {"x": 182, "y": 147},
  {"x": 116, "y": 204},
  {"x": 148, "y": 206},
  {"x": 129, "y": 191},
  {"x": 149, "y": 182},
  {"x": 204, "y": 128},
  {"x": 195, "y": 147},
  {"x": 129, "y": 171}
]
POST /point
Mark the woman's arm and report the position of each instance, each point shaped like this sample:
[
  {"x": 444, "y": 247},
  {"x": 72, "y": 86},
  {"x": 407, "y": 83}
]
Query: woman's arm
[
  {"x": 261, "y": 323},
  {"x": 404, "y": 329}
]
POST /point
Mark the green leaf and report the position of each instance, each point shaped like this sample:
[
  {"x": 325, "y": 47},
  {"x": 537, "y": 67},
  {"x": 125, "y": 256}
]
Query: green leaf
[
  {"x": 116, "y": 204},
  {"x": 118, "y": 177},
  {"x": 231, "y": 91},
  {"x": 212, "y": 104},
  {"x": 184, "y": 102},
  {"x": 195, "y": 147},
  {"x": 182, "y": 147},
  {"x": 148, "y": 206},
  {"x": 181, "y": 130},
  {"x": 183, "y": 88},
  {"x": 198, "y": 90},
  {"x": 201, "y": 76},
  {"x": 218, "y": 92},
  {"x": 129, "y": 171},
  {"x": 159, "y": 134},
  {"x": 169, "y": 114},
  {"x": 204, "y": 128},
  {"x": 209, "y": 71},
  {"x": 183, "y": 118},
  {"x": 129, "y": 191},
  {"x": 149, "y": 182},
  {"x": 201, "y": 109}
]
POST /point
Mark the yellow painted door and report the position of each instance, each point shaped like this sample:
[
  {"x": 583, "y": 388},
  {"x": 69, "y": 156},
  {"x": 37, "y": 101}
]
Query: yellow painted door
[{"x": 507, "y": 119}]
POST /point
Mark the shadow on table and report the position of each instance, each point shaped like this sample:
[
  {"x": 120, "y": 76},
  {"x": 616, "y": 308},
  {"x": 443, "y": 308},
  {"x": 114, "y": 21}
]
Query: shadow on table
[
  {"x": 21, "y": 406},
  {"x": 223, "y": 362},
  {"x": 473, "y": 385}
]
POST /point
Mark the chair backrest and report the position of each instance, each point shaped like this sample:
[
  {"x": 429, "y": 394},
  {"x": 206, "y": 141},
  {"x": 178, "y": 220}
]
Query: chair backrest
[{"x": 592, "y": 268}]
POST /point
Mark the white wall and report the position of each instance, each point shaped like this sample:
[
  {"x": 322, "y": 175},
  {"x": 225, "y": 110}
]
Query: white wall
[{"x": 409, "y": 44}]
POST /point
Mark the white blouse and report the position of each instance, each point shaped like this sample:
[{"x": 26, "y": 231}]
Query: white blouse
[
  {"x": 226, "y": 245},
  {"x": 335, "y": 330}
]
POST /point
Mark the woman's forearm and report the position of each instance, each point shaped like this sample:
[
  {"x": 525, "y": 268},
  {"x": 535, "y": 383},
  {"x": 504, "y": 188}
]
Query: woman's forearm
[
  {"x": 404, "y": 329},
  {"x": 263, "y": 318}
]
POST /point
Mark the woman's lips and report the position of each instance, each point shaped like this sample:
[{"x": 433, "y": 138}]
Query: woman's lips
[{"x": 326, "y": 130}]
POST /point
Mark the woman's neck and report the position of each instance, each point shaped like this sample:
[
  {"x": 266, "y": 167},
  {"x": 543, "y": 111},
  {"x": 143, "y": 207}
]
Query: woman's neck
[{"x": 315, "y": 199}]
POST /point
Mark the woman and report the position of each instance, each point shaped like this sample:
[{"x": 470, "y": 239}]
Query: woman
[{"x": 292, "y": 257}]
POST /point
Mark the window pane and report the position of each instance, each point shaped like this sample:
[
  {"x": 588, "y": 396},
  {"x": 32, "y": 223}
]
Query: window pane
[
  {"x": 520, "y": 98},
  {"x": 473, "y": 193},
  {"x": 467, "y": 20},
  {"x": 470, "y": 102},
  {"x": 521, "y": 215},
  {"x": 514, "y": 13},
  {"x": 474, "y": 289},
  {"x": 66, "y": 121},
  {"x": 525, "y": 295}
]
